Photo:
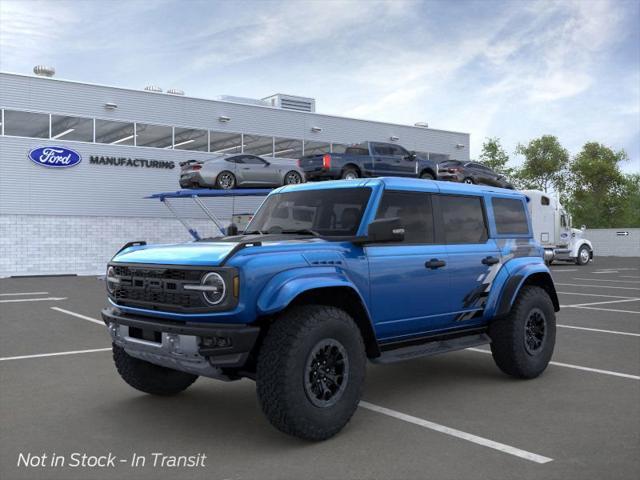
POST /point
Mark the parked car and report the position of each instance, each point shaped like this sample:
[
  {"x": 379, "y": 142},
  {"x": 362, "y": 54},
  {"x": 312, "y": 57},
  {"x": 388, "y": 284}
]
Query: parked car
[
  {"x": 326, "y": 276},
  {"x": 471, "y": 172},
  {"x": 243, "y": 170},
  {"x": 368, "y": 159}
]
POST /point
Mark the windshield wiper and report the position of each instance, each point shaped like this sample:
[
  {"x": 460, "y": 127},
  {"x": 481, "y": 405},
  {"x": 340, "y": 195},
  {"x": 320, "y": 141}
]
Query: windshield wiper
[{"x": 303, "y": 231}]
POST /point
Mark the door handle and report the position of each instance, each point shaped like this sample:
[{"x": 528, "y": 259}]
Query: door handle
[
  {"x": 435, "y": 263},
  {"x": 490, "y": 260}
]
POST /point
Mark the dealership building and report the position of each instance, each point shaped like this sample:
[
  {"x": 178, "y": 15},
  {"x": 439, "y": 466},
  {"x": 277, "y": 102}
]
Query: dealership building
[{"x": 127, "y": 145}]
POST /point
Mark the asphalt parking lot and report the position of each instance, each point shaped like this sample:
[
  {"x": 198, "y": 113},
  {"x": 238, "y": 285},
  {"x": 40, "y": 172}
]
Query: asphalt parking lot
[{"x": 452, "y": 416}]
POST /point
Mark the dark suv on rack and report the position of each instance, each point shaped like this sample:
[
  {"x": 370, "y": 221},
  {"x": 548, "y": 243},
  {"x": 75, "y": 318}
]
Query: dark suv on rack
[{"x": 472, "y": 173}]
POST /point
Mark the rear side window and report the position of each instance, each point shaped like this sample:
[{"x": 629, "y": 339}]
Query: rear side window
[
  {"x": 414, "y": 211},
  {"x": 463, "y": 219},
  {"x": 356, "y": 151},
  {"x": 510, "y": 216}
]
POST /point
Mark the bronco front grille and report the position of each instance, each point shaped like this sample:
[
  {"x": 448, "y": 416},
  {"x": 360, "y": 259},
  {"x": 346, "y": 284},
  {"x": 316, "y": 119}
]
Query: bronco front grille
[{"x": 159, "y": 288}]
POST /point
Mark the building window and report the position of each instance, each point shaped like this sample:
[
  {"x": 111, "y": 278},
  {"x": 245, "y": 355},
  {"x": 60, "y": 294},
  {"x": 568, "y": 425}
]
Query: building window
[
  {"x": 258, "y": 145},
  {"x": 114, "y": 133},
  {"x": 157, "y": 136},
  {"x": 191, "y": 139},
  {"x": 26, "y": 124},
  {"x": 316, "y": 148},
  {"x": 225, "y": 143},
  {"x": 71, "y": 128},
  {"x": 287, "y": 148}
]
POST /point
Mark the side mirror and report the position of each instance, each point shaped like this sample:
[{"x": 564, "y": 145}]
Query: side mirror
[
  {"x": 583, "y": 228},
  {"x": 232, "y": 230},
  {"x": 385, "y": 230},
  {"x": 411, "y": 156}
]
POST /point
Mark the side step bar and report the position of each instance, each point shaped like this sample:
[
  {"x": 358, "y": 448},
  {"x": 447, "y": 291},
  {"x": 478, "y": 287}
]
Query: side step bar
[{"x": 432, "y": 348}]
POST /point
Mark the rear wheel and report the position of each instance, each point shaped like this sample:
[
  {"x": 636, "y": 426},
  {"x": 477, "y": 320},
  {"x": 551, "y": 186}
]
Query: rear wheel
[
  {"x": 584, "y": 255},
  {"x": 427, "y": 176},
  {"x": 350, "y": 173},
  {"x": 468, "y": 180},
  {"x": 292, "y": 178},
  {"x": 225, "y": 180},
  {"x": 311, "y": 371},
  {"x": 522, "y": 342},
  {"x": 150, "y": 378}
]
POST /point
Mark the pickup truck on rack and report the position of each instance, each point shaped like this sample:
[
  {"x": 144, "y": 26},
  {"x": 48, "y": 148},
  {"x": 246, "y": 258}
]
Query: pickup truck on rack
[
  {"x": 325, "y": 277},
  {"x": 368, "y": 159}
]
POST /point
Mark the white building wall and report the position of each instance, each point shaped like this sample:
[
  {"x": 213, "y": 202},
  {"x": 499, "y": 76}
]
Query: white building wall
[{"x": 613, "y": 242}]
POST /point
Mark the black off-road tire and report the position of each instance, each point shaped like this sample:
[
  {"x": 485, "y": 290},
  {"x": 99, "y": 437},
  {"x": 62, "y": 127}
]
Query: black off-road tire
[
  {"x": 508, "y": 334},
  {"x": 427, "y": 176},
  {"x": 282, "y": 371},
  {"x": 150, "y": 378},
  {"x": 350, "y": 173}
]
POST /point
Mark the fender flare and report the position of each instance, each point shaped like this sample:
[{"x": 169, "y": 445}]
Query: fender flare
[
  {"x": 533, "y": 275},
  {"x": 579, "y": 244}
]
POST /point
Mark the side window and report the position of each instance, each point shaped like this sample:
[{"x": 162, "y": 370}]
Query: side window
[
  {"x": 381, "y": 149},
  {"x": 463, "y": 219},
  {"x": 414, "y": 211},
  {"x": 510, "y": 216},
  {"x": 253, "y": 160},
  {"x": 544, "y": 200},
  {"x": 235, "y": 160},
  {"x": 398, "y": 151}
]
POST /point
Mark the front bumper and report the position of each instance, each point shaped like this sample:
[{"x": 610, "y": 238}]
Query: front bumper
[{"x": 197, "y": 348}]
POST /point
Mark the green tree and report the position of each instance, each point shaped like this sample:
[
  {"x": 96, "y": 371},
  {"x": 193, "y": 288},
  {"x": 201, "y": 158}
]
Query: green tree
[
  {"x": 630, "y": 215},
  {"x": 545, "y": 164},
  {"x": 494, "y": 156},
  {"x": 600, "y": 195}
]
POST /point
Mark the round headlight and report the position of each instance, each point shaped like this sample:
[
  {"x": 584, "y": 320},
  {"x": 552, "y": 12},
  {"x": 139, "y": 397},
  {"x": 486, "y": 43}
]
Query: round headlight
[
  {"x": 215, "y": 288},
  {"x": 111, "y": 279}
]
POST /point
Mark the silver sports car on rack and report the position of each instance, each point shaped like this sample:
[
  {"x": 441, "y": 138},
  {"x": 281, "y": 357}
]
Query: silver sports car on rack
[{"x": 242, "y": 170}]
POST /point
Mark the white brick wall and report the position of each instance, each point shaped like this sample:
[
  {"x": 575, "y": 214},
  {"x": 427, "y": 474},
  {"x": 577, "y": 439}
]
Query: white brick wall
[
  {"x": 49, "y": 245},
  {"x": 607, "y": 242}
]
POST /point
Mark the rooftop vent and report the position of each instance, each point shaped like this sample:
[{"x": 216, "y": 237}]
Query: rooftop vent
[
  {"x": 153, "y": 88},
  {"x": 421, "y": 124},
  {"x": 175, "y": 91},
  {"x": 44, "y": 71},
  {"x": 291, "y": 102}
]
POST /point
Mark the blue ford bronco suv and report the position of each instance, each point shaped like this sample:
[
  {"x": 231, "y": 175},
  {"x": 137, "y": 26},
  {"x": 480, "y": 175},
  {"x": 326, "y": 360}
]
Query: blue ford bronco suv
[{"x": 326, "y": 276}]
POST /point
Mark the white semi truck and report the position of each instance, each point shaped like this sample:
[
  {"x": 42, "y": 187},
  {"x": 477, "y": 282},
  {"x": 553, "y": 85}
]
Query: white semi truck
[{"x": 552, "y": 228}]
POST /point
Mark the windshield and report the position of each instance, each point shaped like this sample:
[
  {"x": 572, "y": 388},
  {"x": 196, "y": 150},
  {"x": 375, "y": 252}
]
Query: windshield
[{"x": 327, "y": 212}]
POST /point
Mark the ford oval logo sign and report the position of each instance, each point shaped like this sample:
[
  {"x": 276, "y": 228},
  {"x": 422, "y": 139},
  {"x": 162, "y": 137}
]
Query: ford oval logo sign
[{"x": 55, "y": 157}]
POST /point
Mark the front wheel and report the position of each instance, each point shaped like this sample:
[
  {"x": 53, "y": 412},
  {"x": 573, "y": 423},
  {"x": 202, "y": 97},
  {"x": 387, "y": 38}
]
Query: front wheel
[
  {"x": 427, "y": 176},
  {"x": 150, "y": 378},
  {"x": 584, "y": 255},
  {"x": 310, "y": 371},
  {"x": 522, "y": 342},
  {"x": 225, "y": 180}
]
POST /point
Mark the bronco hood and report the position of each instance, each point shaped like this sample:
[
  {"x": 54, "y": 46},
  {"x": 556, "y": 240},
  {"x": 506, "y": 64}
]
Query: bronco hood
[{"x": 201, "y": 253}]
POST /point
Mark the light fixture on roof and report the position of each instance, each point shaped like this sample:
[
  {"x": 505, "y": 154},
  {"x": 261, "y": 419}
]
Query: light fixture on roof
[
  {"x": 44, "y": 71},
  {"x": 229, "y": 148},
  {"x": 421, "y": 124},
  {"x": 183, "y": 143},
  {"x": 62, "y": 134},
  {"x": 175, "y": 91},
  {"x": 110, "y": 106},
  {"x": 393, "y": 138},
  {"x": 223, "y": 118},
  {"x": 153, "y": 88},
  {"x": 460, "y": 145},
  {"x": 316, "y": 129},
  {"x": 124, "y": 139}
]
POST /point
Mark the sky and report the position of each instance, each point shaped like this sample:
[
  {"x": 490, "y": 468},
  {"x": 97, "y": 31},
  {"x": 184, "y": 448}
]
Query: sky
[{"x": 510, "y": 69}]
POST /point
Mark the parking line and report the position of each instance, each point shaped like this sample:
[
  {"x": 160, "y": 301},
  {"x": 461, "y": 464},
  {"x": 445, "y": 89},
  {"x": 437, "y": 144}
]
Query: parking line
[
  {"x": 568, "y": 270},
  {"x": 23, "y": 293},
  {"x": 576, "y": 367},
  {"x": 485, "y": 442},
  {"x": 600, "y": 303},
  {"x": 610, "y": 310},
  {"x": 607, "y": 280},
  {"x": 47, "y": 299},
  {"x": 56, "y": 354},
  {"x": 73, "y": 314},
  {"x": 597, "y": 286},
  {"x": 606, "y": 271},
  {"x": 629, "y": 276},
  {"x": 615, "y": 332},
  {"x": 592, "y": 294}
]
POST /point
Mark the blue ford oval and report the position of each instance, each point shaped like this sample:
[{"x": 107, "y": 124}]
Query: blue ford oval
[{"x": 55, "y": 157}]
